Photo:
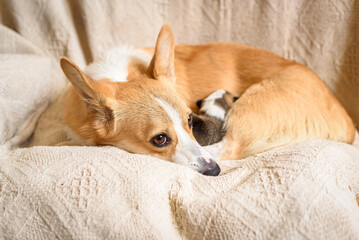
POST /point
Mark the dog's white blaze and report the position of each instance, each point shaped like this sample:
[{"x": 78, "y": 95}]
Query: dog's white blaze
[
  {"x": 209, "y": 106},
  {"x": 114, "y": 63},
  {"x": 187, "y": 150}
]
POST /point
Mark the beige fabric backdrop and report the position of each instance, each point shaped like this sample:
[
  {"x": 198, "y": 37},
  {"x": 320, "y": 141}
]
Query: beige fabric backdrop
[
  {"x": 322, "y": 34},
  {"x": 303, "y": 191}
]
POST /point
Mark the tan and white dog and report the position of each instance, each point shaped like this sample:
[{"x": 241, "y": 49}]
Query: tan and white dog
[{"x": 141, "y": 99}]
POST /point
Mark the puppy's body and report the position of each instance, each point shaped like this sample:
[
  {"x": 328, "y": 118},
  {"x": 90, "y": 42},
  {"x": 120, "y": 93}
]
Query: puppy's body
[{"x": 281, "y": 102}]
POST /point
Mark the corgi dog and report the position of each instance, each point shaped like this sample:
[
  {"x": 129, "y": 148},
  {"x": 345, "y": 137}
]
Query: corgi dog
[
  {"x": 141, "y": 100},
  {"x": 208, "y": 125}
]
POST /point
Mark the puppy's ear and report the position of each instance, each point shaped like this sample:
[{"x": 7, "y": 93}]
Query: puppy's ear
[
  {"x": 86, "y": 87},
  {"x": 230, "y": 98},
  {"x": 162, "y": 64}
]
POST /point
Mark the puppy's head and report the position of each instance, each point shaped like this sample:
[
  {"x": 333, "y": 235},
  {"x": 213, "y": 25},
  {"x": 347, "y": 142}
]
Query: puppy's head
[
  {"x": 142, "y": 115},
  {"x": 217, "y": 104},
  {"x": 208, "y": 125}
]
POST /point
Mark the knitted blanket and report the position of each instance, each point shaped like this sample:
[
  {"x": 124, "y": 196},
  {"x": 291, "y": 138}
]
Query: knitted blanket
[{"x": 51, "y": 189}]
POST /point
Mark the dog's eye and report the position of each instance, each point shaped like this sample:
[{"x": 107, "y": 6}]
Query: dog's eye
[
  {"x": 190, "y": 120},
  {"x": 161, "y": 140}
]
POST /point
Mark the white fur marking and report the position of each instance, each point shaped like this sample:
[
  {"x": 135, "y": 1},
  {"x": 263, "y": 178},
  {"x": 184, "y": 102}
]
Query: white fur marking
[
  {"x": 209, "y": 106},
  {"x": 114, "y": 63},
  {"x": 213, "y": 110},
  {"x": 216, "y": 94}
]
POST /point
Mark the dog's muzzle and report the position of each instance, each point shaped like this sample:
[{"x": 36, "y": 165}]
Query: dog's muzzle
[
  {"x": 203, "y": 162},
  {"x": 207, "y": 165},
  {"x": 211, "y": 168}
]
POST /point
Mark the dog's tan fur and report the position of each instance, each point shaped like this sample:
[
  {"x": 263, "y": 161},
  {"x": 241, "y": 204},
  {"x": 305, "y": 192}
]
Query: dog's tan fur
[
  {"x": 281, "y": 101},
  {"x": 123, "y": 115}
]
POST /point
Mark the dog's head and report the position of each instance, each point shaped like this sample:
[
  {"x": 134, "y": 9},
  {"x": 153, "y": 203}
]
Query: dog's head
[{"x": 141, "y": 115}]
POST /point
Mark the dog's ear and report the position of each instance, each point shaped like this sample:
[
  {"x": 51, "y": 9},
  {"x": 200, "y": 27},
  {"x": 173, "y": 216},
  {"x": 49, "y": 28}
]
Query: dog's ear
[
  {"x": 85, "y": 86},
  {"x": 162, "y": 64},
  {"x": 82, "y": 83}
]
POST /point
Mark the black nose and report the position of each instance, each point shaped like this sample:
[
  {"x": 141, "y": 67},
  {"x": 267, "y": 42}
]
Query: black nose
[
  {"x": 213, "y": 171},
  {"x": 199, "y": 103}
]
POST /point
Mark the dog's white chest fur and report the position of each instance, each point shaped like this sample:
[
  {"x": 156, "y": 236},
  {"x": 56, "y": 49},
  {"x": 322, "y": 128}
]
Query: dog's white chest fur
[{"x": 114, "y": 63}]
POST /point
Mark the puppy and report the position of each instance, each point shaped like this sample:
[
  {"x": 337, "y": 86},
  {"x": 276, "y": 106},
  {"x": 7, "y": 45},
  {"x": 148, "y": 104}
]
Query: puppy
[{"x": 208, "y": 126}]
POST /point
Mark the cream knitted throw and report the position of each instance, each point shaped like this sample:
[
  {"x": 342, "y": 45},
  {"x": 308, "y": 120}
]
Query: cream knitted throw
[{"x": 52, "y": 190}]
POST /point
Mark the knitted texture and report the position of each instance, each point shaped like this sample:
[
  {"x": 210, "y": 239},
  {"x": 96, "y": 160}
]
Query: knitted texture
[
  {"x": 52, "y": 190},
  {"x": 304, "y": 191}
]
